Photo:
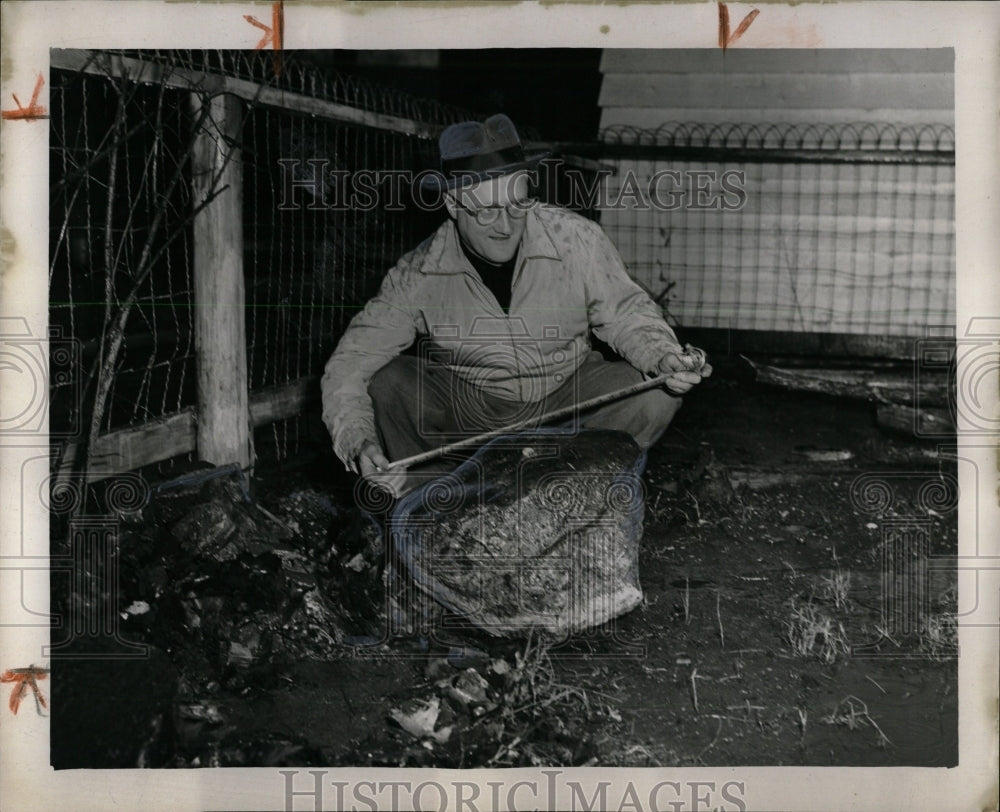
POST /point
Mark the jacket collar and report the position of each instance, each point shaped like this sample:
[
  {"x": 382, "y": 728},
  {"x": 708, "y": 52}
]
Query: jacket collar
[{"x": 445, "y": 256}]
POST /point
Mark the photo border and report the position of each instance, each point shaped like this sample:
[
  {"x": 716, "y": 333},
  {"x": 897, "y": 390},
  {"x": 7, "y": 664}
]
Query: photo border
[{"x": 29, "y": 29}]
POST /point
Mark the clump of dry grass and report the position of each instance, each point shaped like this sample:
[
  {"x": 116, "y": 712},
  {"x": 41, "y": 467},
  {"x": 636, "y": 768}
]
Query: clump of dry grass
[
  {"x": 718, "y": 617},
  {"x": 813, "y": 633},
  {"x": 534, "y": 702},
  {"x": 939, "y": 636},
  {"x": 836, "y": 588},
  {"x": 853, "y": 714},
  {"x": 803, "y": 722},
  {"x": 939, "y": 629}
]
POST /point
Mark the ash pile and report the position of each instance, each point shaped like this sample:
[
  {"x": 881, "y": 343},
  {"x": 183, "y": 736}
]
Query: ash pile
[
  {"x": 231, "y": 582},
  {"x": 216, "y": 597}
]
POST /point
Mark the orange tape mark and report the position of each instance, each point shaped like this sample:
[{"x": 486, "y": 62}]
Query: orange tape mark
[
  {"x": 274, "y": 34},
  {"x": 24, "y": 679},
  {"x": 725, "y": 38},
  {"x": 32, "y": 111}
]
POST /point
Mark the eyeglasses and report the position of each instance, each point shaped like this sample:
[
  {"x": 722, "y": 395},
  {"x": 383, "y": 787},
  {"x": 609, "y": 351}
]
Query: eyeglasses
[{"x": 487, "y": 215}]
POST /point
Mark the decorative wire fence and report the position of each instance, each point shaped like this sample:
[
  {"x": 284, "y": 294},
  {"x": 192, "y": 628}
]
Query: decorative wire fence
[{"x": 811, "y": 229}]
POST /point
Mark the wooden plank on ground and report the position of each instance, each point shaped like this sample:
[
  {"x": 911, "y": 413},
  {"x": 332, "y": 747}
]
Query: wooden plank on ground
[
  {"x": 282, "y": 402},
  {"x": 731, "y": 341},
  {"x": 133, "y": 448},
  {"x": 878, "y": 385},
  {"x": 139, "y": 446},
  {"x": 917, "y": 422}
]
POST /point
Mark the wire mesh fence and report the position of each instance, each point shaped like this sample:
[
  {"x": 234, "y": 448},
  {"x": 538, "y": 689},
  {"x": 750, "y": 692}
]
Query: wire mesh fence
[
  {"x": 123, "y": 128},
  {"x": 120, "y": 251},
  {"x": 827, "y": 229},
  {"x": 318, "y": 240}
]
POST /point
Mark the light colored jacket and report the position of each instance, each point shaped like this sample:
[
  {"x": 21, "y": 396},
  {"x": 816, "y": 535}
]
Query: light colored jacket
[{"x": 569, "y": 280}]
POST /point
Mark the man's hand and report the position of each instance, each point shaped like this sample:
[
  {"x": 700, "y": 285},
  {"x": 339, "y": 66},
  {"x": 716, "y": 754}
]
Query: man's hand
[
  {"x": 688, "y": 368},
  {"x": 372, "y": 463}
]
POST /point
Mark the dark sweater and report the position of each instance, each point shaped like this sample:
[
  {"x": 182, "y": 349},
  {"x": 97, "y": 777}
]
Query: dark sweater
[{"x": 498, "y": 278}]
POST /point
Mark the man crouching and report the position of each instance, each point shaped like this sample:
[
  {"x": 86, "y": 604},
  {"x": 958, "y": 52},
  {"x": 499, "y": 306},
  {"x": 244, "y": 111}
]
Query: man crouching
[{"x": 501, "y": 301}]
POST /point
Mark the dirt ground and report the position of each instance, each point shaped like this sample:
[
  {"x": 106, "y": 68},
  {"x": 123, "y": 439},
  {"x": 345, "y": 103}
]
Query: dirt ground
[{"x": 790, "y": 617}]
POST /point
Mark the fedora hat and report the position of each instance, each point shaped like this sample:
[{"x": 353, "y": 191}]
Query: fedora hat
[{"x": 473, "y": 151}]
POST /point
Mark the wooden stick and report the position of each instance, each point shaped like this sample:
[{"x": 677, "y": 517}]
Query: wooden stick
[{"x": 565, "y": 411}]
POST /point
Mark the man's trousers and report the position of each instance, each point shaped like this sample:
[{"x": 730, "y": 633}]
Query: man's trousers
[{"x": 420, "y": 405}]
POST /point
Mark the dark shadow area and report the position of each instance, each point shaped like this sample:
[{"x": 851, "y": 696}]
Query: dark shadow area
[{"x": 550, "y": 90}]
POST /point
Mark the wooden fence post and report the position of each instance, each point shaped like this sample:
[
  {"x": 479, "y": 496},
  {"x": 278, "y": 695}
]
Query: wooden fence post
[{"x": 223, "y": 427}]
